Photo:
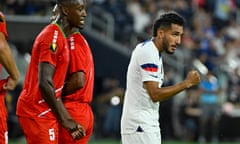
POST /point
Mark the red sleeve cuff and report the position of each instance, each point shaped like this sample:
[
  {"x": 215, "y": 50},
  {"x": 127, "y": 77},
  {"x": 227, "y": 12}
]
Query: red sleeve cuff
[{"x": 3, "y": 29}]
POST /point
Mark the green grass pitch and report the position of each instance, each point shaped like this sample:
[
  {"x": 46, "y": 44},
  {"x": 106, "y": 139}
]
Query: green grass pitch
[{"x": 118, "y": 142}]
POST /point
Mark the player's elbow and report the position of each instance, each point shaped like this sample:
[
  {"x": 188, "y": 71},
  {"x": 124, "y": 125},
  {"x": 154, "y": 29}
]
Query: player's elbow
[
  {"x": 153, "y": 97},
  {"x": 79, "y": 80},
  {"x": 80, "y": 83},
  {"x": 158, "y": 97},
  {"x": 152, "y": 89}
]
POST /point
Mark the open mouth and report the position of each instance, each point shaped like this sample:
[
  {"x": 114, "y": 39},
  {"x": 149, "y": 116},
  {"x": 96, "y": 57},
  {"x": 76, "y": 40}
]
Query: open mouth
[
  {"x": 174, "y": 47},
  {"x": 82, "y": 21}
]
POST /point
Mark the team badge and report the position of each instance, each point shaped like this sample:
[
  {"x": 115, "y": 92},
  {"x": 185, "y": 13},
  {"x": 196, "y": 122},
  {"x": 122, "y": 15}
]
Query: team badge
[{"x": 53, "y": 47}]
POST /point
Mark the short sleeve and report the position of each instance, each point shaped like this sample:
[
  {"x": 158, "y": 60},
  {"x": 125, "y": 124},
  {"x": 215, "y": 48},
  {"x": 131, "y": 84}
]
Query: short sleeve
[
  {"x": 47, "y": 55},
  {"x": 77, "y": 59},
  {"x": 148, "y": 65},
  {"x": 3, "y": 27},
  {"x": 50, "y": 44}
]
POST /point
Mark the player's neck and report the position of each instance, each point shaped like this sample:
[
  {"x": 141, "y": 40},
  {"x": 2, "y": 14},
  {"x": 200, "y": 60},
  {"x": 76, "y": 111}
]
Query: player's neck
[
  {"x": 65, "y": 25},
  {"x": 75, "y": 30},
  {"x": 157, "y": 44}
]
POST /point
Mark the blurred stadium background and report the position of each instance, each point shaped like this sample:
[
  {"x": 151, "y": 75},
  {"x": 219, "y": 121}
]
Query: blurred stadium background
[{"x": 113, "y": 27}]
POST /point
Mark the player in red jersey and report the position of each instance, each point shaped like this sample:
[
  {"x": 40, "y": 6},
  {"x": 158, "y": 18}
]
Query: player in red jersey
[
  {"x": 78, "y": 88},
  {"x": 7, "y": 61},
  {"x": 39, "y": 106}
]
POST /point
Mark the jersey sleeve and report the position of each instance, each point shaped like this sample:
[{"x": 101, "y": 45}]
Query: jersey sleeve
[
  {"x": 148, "y": 66},
  {"x": 77, "y": 59},
  {"x": 50, "y": 47},
  {"x": 3, "y": 27},
  {"x": 46, "y": 55}
]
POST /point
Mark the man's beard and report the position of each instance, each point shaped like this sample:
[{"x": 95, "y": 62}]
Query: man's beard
[{"x": 165, "y": 46}]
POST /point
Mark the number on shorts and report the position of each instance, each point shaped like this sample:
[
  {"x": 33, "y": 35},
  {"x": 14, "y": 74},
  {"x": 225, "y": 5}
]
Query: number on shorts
[{"x": 51, "y": 134}]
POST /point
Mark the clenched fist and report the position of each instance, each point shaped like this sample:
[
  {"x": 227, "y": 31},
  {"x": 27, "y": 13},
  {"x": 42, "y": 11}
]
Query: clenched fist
[
  {"x": 10, "y": 84},
  {"x": 193, "y": 78}
]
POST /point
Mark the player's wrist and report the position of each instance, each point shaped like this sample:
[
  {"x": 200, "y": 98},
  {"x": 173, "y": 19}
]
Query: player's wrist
[
  {"x": 187, "y": 84},
  {"x": 71, "y": 130},
  {"x": 14, "y": 78}
]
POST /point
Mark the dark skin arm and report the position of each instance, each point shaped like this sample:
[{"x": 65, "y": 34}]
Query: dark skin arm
[
  {"x": 75, "y": 82},
  {"x": 47, "y": 89},
  {"x": 6, "y": 59},
  {"x": 161, "y": 94}
]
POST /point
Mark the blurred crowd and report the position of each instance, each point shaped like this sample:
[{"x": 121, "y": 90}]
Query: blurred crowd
[{"x": 211, "y": 39}]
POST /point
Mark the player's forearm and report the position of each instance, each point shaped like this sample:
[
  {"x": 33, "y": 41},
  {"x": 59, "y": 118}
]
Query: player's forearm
[
  {"x": 57, "y": 106},
  {"x": 7, "y": 60},
  {"x": 161, "y": 94},
  {"x": 47, "y": 90},
  {"x": 48, "y": 94},
  {"x": 68, "y": 89},
  {"x": 74, "y": 83}
]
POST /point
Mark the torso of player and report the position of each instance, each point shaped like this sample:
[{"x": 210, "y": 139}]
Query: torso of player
[
  {"x": 50, "y": 46},
  {"x": 81, "y": 60},
  {"x": 138, "y": 108}
]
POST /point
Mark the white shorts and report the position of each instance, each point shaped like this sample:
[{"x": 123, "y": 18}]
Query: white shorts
[{"x": 141, "y": 138}]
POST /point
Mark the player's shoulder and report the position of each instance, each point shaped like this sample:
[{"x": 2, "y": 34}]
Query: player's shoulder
[
  {"x": 78, "y": 39},
  {"x": 145, "y": 47},
  {"x": 51, "y": 30},
  {"x": 77, "y": 36}
]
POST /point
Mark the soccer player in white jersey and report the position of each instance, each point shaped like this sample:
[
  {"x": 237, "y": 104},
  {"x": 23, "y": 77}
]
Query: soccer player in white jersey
[{"x": 139, "y": 121}]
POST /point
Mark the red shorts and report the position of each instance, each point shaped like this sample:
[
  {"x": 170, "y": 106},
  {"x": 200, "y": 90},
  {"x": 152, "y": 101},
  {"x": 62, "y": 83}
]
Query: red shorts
[
  {"x": 3, "y": 115},
  {"x": 82, "y": 113},
  {"x": 39, "y": 130}
]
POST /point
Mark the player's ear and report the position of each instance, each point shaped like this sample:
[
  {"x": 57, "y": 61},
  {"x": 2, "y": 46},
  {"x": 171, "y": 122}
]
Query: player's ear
[
  {"x": 64, "y": 11},
  {"x": 160, "y": 33}
]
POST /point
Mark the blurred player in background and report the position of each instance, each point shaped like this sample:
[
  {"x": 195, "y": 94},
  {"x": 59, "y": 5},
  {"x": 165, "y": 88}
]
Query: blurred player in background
[
  {"x": 139, "y": 123},
  {"x": 40, "y": 107},
  {"x": 7, "y": 61},
  {"x": 209, "y": 90},
  {"x": 78, "y": 88}
]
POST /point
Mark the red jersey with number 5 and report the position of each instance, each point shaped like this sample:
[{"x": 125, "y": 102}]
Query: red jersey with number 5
[{"x": 50, "y": 46}]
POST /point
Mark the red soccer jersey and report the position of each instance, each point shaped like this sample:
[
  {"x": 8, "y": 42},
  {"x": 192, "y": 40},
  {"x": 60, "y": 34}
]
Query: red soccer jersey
[
  {"x": 50, "y": 46},
  {"x": 81, "y": 60},
  {"x": 3, "y": 27}
]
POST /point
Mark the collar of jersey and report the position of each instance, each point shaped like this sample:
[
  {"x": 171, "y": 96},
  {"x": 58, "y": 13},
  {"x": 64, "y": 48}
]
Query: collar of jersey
[
  {"x": 59, "y": 28},
  {"x": 76, "y": 32}
]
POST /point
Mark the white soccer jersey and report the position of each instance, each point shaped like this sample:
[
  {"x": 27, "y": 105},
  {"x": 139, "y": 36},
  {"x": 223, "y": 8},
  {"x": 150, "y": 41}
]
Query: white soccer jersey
[{"x": 140, "y": 113}]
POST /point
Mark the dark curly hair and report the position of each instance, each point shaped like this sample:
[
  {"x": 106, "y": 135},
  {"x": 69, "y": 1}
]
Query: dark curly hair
[
  {"x": 166, "y": 20},
  {"x": 62, "y": 2}
]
